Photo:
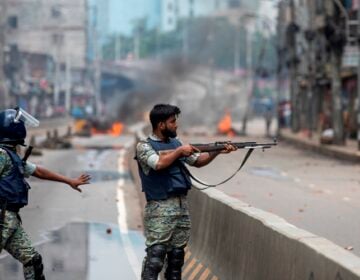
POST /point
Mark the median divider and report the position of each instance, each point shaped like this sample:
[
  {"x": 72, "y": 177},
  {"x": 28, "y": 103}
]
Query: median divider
[
  {"x": 238, "y": 241},
  {"x": 235, "y": 241}
]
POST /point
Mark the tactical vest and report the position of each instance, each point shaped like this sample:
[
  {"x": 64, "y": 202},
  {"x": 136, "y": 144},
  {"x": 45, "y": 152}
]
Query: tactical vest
[
  {"x": 171, "y": 181},
  {"x": 13, "y": 187}
]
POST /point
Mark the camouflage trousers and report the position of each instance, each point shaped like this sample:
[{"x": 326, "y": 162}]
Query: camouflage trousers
[
  {"x": 16, "y": 242},
  {"x": 167, "y": 222}
]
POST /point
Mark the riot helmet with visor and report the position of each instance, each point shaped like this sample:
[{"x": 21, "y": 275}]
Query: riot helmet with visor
[{"x": 12, "y": 126}]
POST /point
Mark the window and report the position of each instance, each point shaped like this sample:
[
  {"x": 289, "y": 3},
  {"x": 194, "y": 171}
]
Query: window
[
  {"x": 234, "y": 3},
  {"x": 13, "y": 22},
  {"x": 319, "y": 6},
  {"x": 56, "y": 12}
]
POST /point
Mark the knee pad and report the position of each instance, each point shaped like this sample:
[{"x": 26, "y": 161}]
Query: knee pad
[
  {"x": 155, "y": 256},
  {"x": 176, "y": 257},
  {"x": 38, "y": 267},
  {"x": 175, "y": 261}
]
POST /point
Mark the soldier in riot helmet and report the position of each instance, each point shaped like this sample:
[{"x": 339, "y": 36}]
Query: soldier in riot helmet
[
  {"x": 14, "y": 190},
  {"x": 166, "y": 219}
]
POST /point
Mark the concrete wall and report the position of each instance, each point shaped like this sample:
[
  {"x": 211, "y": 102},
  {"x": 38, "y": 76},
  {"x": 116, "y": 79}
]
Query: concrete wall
[{"x": 241, "y": 242}]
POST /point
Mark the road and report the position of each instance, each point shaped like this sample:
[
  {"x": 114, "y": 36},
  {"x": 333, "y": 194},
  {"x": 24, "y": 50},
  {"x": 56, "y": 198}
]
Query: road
[
  {"x": 313, "y": 192},
  {"x": 96, "y": 234}
]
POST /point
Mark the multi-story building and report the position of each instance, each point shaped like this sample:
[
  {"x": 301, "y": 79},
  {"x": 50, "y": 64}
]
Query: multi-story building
[
  {"x": 319, "y": 49},
  {"x": 53, "y": 27},
  {"x": 45, "y": 52}
]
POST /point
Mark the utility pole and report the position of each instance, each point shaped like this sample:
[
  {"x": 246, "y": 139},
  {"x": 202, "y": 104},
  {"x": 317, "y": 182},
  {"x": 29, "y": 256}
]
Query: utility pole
[
  {"x": 358, "y": 80},
  {"x": 293, "y": 71},
  {"x": 4, "y": 92},
  {"x": 237, "y": 47},
  {"x": 68, "y": 79},
  {"x": 57, "y": 41},
  {"x": 117, "y": 47},
  {"x": 310, "y": 36},
  {"x": 337, "y": 117},
  {"x": 96, "y": 65},
  {"x": 250, "y": 79}
]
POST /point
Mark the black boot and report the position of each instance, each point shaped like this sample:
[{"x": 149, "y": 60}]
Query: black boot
[
  {"x": 175, "y": 261},
  {"x": 153, "y": 262},
  {"x": 36, "y": 265}
]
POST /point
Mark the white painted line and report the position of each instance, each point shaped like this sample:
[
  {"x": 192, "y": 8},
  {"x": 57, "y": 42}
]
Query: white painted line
[
  {"x": 311, "y": 186},
  {"x": 129, "y": 250},
  {"x": 345, "y": 198},
  {"x": 284, "y": 174},
  {"x": 297, "y": 180},
  {"x": 328, "y": 191}
]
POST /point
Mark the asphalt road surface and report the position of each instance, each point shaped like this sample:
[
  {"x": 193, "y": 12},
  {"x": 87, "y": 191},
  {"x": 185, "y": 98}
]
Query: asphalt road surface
[
  {"x": 313, "y": 192},
  {"x": 97, "y": 234}
]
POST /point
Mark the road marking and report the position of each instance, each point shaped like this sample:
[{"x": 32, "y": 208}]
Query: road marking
[
  {"x": 188, "y": 267},
  {"x": 284, "y": 174},
  {"x": 122, "y": 218},
  {"x": 205, "y": 274},
  {"x": 195, "y": 272},
  {"x": 345, "y": 198},
  {"x": 297, "y": 180},
  {"x": 311, "y": 186},
  {"x": 187, "y": 256}
]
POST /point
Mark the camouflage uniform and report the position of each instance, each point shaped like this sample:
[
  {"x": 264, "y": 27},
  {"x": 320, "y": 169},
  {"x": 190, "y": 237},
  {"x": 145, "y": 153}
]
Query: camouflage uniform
[
  {"x": 13, "y": 237},
  {"x": 166, "y": 221}
]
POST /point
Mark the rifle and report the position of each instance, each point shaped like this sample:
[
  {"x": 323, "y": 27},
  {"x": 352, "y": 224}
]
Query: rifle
[{"x": 219, "y": 146}]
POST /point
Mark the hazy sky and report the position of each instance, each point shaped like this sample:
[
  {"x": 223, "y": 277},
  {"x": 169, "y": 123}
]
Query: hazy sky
[{"x": 122, "y": 12}]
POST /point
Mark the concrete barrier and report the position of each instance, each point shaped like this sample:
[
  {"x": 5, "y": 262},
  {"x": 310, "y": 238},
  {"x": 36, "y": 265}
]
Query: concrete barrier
[
  {"x": 244, "y": 243},
  {"x": 240, "y": 242}
]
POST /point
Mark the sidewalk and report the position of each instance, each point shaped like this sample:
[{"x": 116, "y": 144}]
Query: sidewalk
[{"x": 347, "y": 152}]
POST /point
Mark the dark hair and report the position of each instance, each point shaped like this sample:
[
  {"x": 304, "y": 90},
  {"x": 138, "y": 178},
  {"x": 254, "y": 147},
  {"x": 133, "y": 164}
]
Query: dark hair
[{"x": 162, "y": 112}]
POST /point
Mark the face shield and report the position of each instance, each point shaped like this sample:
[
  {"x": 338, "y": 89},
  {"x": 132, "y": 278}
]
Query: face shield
[{"x": 26, "y": 118}]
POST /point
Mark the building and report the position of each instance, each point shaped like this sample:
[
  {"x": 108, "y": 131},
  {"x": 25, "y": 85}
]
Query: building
[
  {"x": 318, "y": 48},
  {"x": 53, "y": 27},
  {"x": 45, "y": 53}
]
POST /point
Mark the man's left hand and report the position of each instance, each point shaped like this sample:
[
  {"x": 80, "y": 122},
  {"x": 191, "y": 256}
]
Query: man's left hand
[{"x": 228, "y": 149}]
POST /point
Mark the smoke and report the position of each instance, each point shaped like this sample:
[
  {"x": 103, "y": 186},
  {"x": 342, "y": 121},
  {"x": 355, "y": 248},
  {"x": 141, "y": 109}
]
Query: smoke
[{"x": 202, "y": 94}]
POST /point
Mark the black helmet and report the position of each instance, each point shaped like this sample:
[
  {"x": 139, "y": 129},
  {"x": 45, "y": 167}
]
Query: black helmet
[{"x": 12, "y": 131}]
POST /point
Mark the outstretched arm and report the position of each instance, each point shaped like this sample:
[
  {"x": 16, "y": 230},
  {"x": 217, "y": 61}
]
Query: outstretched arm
[{"x": 45, "y": 174}]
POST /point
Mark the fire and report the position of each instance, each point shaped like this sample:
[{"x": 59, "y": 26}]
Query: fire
[
  {"x": 116, "y": 129},
  {"x": 225, "y": 125}
]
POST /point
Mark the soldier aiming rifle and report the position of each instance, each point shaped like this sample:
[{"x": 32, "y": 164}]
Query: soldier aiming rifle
[{"x": 161, "y": 159}]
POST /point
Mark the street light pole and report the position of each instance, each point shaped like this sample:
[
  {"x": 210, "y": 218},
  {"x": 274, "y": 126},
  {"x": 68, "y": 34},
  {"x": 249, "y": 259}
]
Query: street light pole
[
  {"x": 4, "y": 93},
  {"x": 358, "y": 81}
]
